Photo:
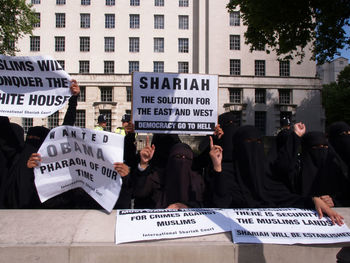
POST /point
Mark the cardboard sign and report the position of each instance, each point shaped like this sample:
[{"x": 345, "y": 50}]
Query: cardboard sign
[
  {"x": 75, "y": 157},
  {"x": 32, "y": 86},
  {"x": 175, "y": 103}
]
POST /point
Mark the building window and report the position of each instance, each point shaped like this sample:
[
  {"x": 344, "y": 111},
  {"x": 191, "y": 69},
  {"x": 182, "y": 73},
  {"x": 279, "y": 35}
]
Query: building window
[
  {"x": 183, "y": 67},
  {"x": 284, "y": 69},
  {"x": 260, "y": 121},
  {"x": 183, "y": 22},
  {"x": 37, "y": 24},
  {"x": 110, "y": 2},
  {"x": 60, "y": 2},
  {"x": 62, "y": 63},
  {"x": 80, "y": 120},
  {"x": 128, "y": 94},
  {"x": 85, "y": 2},
  {"x": 235, "y": 18},
  {"x": 158, "y": 45},
  {"x": 134, "y": 44},
  {"x": 183, "y": 45},
  {"x": 134, "y": 21},
  {"x": 158, "y": 66},
  {"x": 260, "y": 96},
  {"x": 133, "y": 66},
  {"x": 106, "y": 94},
  {"x": 35, "y": 2},
  {"x": 183, "y": 3},
  {"x": 53, "y": 120},
  {"x": 82, "y": 94},
  {"x": 108, "y": 67},
  {"x": 84, "y": 44},
  {"x": 26, "y": 124},
  {"x": 284, "y": 96},
  {"x": 235, "y": 95},
  {"x": 108, "y": 115},
  {"x": 60, "y": 44},
  {"x": 235, "y": 67},
  {"x": 84, "y": 66},
  {"x": 109, "y": 20},
  {"x": 259, "y": 67},
  {"x": 60, "y": 20},
  {"x": 34, "y": 43},
  {"x": 134, "y": 2},
  {"x": 158, "y": 2},
  {"x": 158, "y": 21},
  {"x": 109, "y": 44},
  {"x": 85, "y": 20},
  {"x": 235, "y": 42}
]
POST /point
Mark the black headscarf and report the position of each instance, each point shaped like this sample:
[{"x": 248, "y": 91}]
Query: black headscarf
[
  {"x": 163, "y": 144},
  {"x": 228, "y": 125},
  {"x": 181, "y": 183},
  {"x": 339, "y": 138}
]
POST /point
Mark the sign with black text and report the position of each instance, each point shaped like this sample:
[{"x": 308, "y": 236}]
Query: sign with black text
[
  {"x": 175, "y": 103},
  {"x": 136, "y": 225},
  {"x": 32, "y": 86},
  {"x": 284, "y": 226},
  {"x": 75, "y": 157}
]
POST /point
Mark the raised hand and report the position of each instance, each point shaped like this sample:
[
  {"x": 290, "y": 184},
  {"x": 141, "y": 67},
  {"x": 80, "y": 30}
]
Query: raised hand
[
  {"x": 146, "y": 154},
  {"x": 215, "y": 155},
  {"x": 74, "y": 88},
  {"x": 299, "y": 129},
  {"x": 218, "y": 131}
]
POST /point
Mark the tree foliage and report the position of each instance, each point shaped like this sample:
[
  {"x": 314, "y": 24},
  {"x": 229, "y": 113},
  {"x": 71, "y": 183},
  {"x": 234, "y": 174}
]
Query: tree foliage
[
  {"x": 16, "y": 19},
  {"x": 336, "y": 98},
  {"x": 288, "y": 26}
]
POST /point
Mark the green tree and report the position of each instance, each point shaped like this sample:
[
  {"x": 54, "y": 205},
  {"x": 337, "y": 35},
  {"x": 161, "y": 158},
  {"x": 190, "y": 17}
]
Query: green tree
[
  {"x": 288, "y": 26},
  {"x": 16, "y": 20},
  {"x": 336, "y": 98}
]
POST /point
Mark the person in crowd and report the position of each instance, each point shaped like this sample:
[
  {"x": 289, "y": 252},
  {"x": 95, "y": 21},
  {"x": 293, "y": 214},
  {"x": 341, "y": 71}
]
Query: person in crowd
[
  {"x": 339, "y": 139},
  {"x": 101, "y": 123},
  {"x": 251, "y": 184},
  {"x": 18, "y": 188},
  {"x": 316, "y": 171},
  {"x": 172, "y": 185}
]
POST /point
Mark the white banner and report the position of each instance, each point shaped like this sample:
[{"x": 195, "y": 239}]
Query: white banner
[
  {"x": 136, "y": 225},
  {"x": 175, "y": 103},
  {"x": 74, "y": 157},
  {"x": 284, "y": 226},
  {"x": 32, "y": 86},
  {"x": 276, "y": 226}
]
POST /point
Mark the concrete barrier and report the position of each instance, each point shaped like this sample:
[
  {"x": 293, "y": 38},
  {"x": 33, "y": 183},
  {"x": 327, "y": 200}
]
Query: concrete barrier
[{"x": 72, "y": 236}]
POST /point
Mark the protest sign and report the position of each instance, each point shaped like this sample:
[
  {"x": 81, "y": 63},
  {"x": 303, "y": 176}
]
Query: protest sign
[
  {"x": 284, "y": 226},
  {"x": 138, "y": 225},
  {"x": 32, "y": 86},
  {"x": 75, "y": 157},
  {"x": 174, "y": 103}
]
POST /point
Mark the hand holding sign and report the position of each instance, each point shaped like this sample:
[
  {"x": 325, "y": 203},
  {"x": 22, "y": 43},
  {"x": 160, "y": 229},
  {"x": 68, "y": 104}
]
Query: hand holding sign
[
  {"x": 218, "y": 132},
  {"x": 215, "y": 155},
  {"x": 34, "y": 160},
  {"x": 74, "y": 88},
  {"x": 122, "y": 169},
  {"x": 146, "y": 154},
  {"x": 321, "y": 207}
]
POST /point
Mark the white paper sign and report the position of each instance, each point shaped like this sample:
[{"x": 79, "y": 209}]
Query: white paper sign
[
  {"x": 32, "y": 86},
  {"x": 284, "y": 226},
  {"x": 137, "y": 225},
  {"x": 74, "y": 157},
  {"x": 174, "y": 103}
]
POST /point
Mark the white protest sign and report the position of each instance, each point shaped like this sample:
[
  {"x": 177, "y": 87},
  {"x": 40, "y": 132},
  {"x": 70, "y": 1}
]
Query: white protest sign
[
  {"x": 284, "y": 226},
  {"x": 32, "y": 86},
  {"x": 74, "y": 157},
  {"x": 175, "y": 103},
  {"x": 138, "y": 225}
]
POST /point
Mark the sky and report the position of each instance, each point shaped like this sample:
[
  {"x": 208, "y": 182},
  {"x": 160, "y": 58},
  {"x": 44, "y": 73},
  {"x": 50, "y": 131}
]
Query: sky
[{"x": 345, "y": 53}]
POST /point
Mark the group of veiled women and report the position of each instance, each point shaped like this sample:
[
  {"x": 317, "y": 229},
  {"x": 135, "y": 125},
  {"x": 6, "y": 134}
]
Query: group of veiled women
[{"x": 233, "y": 170}]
